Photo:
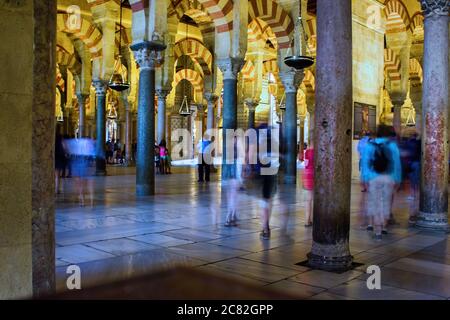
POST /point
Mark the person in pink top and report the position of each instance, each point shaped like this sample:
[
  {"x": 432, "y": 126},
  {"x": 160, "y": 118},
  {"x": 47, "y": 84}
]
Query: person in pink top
[
  {"x": 162, "y": 156},
  {"x": 308, "y": 183}
]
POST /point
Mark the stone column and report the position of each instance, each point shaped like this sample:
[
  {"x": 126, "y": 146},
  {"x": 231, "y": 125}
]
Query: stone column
[
  {"x": 434, "y": 180},
  {"x": 333, "y": 137},
  {"x": 230, "y": 68},
  {"x": 161, "y": 128},
  {"x": 145, "y": 167},
  {"x": 128, "y": 140},
  {"x": 27, "y": 203},
  {"x": 211, "y": 98},
  {"x": 291, "y": 81},
  {"x": 397, "y": 103},
  {"x": 82, "y": 114},
  {"x": 251, "y": 106},
  {"x": 416, "y": 99},
  {"x": 301, "y": 121},
  {"x": 100, "y": 91}
]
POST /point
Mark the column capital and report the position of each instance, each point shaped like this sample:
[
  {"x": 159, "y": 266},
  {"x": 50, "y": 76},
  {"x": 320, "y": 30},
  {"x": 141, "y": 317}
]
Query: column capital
[
  {"x": 291, "y": 80},
  {"x": 397, "y": 99},
  {"x": 435, "y": 7},
  {"x": 82, "y": 96},
  {"x": 147, "y": 54},
  {"x": 230, "y": 67},
  {"x": 100, "y": 87},
  {"x": 162, "y": 93},
  {"x": 251, "y": 103},
  {"x": 211, "y": 97}
]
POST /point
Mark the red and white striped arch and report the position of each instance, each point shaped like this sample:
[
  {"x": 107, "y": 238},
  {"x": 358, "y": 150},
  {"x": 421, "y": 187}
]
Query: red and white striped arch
[
  {"x": 392, "y": 65},
  {"x": 276, "y": 17},
  {"x": 197, "y": 50},
  {"x": 417, "y": 22},
  {"x": 397, "y": 17},
  {"x": 64, "y": 58},
  {"x": 221, "y": 13},
  {"x": 192, "y": 76},
  {"x": 415, "y": 72},
  {"x": 194, "y": 10},
  {"x": 258, "y": 30},
  {"x": 86, "y": 32}
]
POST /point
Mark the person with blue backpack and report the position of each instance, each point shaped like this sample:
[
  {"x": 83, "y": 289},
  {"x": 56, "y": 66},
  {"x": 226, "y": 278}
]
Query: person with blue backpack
[{"x": 382, "y": 171}]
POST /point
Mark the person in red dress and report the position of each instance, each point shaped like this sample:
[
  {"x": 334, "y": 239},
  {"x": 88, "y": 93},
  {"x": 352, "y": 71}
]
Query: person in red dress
[{"x": 308, "y": 183}]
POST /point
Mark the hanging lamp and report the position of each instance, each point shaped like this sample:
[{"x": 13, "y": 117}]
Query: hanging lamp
[
  {"x": 118, "y": 80},
  {"x": 184, "y": 108},
  {"x": 60, "y": 115},
  {"x": 298, "y": 61}
]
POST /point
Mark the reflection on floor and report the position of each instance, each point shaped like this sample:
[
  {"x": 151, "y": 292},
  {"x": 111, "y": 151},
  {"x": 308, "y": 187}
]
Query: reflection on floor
[{"x": 120, "y": 235}]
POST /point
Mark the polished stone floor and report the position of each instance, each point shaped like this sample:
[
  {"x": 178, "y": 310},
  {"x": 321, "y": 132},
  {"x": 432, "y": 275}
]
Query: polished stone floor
[{"x": 118, "y": 235}]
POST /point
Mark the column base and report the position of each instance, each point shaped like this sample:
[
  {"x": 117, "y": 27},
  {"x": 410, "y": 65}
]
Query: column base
[
  {"x": 334, "y": 258},
  {"x": 432, "y": 221},
  {"x": 143, "y": 190},
  {"x": 290, "y": 180}
]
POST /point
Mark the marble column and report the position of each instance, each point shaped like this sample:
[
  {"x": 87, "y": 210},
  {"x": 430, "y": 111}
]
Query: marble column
[
  {"x": 211, "y": 98},
  {"x": 333, "y": 137},
  {"x": 230, "y": 68},
  {"x": 161, "y": 127},
  {"x": 251, "y": 106},
  {"x": 291, "y": 81},
  {"x": 433, "y": 212},
  {"x": 145, "y": 154},
  {"x": 82, "y": 114},
  {"x": 100, "y": 90}
]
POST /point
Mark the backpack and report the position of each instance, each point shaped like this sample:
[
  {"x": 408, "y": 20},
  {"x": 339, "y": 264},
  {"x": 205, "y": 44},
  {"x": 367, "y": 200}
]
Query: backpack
[{"x": 380, "y": 163}]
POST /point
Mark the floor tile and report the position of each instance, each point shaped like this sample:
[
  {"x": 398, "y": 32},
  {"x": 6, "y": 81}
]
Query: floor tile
[
  {"x": 255, "y": 270},
  {"x": 119, "y": 247},
  {"x": 80, "y": 253}
]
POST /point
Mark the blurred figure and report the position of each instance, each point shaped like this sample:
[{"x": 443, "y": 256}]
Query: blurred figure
[
  {"x": 67, "y": 173},
  {"x": 157, "y": 158},
  {"x": 203, "y": 167},
  {"x": 414, "y": 148},
  {"x": 168, "y": 162},
  {"x": 162, "y": 157},
  {"x": 81, "y": 153},
  {"x": 234, "y": 183},
  {"x": 362, "y": 217},
  {"x": 60, "y": 161},
  {"x": 267, "y": 179},
  {"x": 382, "y": 170},
  {"x": 361, "y": 145},
  {"x": 134, "y": 150},
  {"x": 308, "y": 183}
]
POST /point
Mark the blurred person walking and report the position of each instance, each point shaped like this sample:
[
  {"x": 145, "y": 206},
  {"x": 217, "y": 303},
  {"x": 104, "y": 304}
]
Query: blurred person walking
[
  {"x": 60, "y": 161},
  {"x": 382, "y": 170}
]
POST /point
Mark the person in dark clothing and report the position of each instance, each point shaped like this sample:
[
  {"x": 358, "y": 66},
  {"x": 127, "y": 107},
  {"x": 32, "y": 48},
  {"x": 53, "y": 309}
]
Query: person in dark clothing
[
  {"x": 60, "y": 161},
  {"x": 414, "y": 150},
  {"x": 204, "y": 168}
]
